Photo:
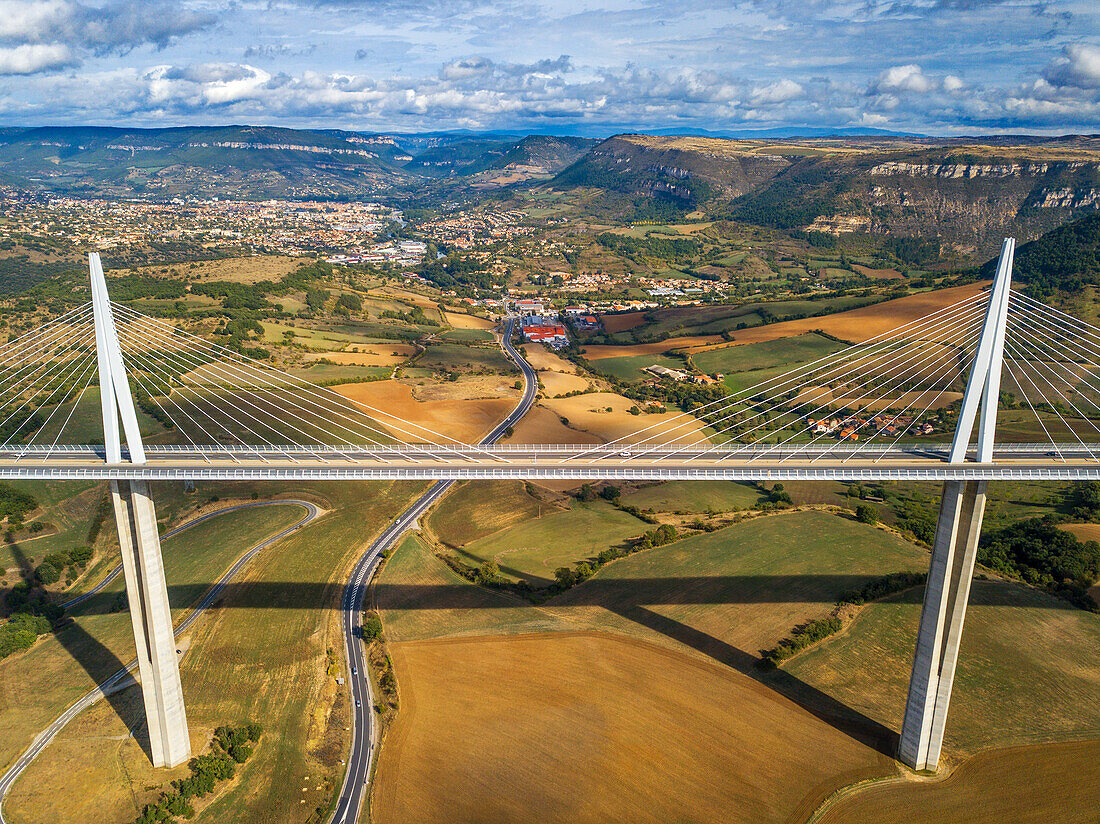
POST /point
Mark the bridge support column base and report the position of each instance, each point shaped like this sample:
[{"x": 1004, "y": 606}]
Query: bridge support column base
[
  {"x": 945, "y": 598},
  {"x": 151, "y": 617}
]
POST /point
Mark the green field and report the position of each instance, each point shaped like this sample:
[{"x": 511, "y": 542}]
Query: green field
[
  {"x": 421, "y": 597},
  {"x": 694, "y": 496},
  {"x": 468, "y": 335},
  {"x": 1026, "y": 671},
  {"x": 766, "y": 354},
  {"x": 733, "y": 592},
  {"x": 533, "y": 549},
  {"x": 60, "y": 667},
  {"x": 475, "y": 509},
  {"x": 630, "y": 368},
  {"x": 448, "y": 357},
  {"x": 260, "y": 654}
]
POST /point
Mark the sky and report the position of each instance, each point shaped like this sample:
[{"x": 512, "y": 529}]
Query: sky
[{"x": 598, "y": 67}]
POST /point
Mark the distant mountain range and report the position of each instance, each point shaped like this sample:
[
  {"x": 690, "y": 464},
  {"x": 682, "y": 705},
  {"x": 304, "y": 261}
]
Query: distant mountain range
[
  {"x": 966, "y": 193},
  {"x": 264, "y": 161}
]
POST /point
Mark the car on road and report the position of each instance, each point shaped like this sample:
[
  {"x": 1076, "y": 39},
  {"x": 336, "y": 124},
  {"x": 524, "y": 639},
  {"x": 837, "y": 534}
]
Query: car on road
[
  {"x": 354, "y": 671},
  {"x": 357, "y": 703}
]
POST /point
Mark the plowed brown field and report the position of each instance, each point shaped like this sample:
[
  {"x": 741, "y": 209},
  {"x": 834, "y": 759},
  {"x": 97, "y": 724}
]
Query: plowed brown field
[{"x": 583, "y": 727}]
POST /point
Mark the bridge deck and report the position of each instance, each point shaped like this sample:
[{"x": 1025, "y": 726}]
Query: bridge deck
[{"x": 549, "y": 462}]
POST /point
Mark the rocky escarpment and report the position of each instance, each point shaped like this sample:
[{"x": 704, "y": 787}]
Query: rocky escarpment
[{"x": 687, "y": 169}]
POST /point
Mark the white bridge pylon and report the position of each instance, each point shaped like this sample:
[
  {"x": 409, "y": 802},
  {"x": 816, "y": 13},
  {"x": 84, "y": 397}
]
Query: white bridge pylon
[
  {"x": 234, "y": 418},
  {"x": 139, "y": 542}
]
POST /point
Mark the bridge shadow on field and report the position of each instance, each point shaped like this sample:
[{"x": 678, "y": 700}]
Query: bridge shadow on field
[
  {"x": 97, "y": 659},
  {"x": 631, "y": 598}
]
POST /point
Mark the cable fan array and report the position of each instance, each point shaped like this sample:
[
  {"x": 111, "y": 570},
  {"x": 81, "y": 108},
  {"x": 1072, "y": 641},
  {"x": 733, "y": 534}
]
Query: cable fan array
[
  {"x": 1050, "y": 364},
  {"x": 860, "y": 401},
  {"x": 871, "y": 393},
  {"x": 46, "y": 372},
  {"x": 210, "y": 394}
]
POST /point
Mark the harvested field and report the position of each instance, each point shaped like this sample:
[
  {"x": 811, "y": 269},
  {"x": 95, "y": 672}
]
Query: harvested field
[
  {"x": 598, "y": 352},
  {"x": 460, "y": 320},
  {"x": 1084, "y": 532},
  {"x": 462, "y": 420},
  {"x": 864, "y": 323},
  {"x": 252, "y": 269},
  {"x": 366, "y": 356},
  {"x": 1059, "y": 787},
  {"x": 589, "y": 412},
  {"x": 854, "y": 325},
  {"x": 542, "y": 359},
  {"x": 542, "y": 425},
  {"x": 877, "y": 274},
  {"x": 559, "y": 383},
  {"x": 466, "y": 388},
  {"x": 635, "y": 732},
  {"x": 815, "y": 396},
  {"x": 623, "y": 322}
]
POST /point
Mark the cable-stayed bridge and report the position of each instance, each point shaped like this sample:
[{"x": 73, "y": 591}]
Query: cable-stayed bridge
[{"x": 107, "y": 392}]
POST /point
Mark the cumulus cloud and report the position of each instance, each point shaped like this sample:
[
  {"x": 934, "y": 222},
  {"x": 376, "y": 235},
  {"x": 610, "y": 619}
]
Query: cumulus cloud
[
  {"x": 404, "y": 64},
  {"x": 36, "y": 33},
  {"x": 1078, "y": 66},
  {"x": 779, "y": 92},
  {"x": 908, "y": 78},
  {"x": 28, "y": 59}
]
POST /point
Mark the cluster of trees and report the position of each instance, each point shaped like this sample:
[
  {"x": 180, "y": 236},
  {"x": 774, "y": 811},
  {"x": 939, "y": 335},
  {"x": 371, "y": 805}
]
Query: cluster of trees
[
  {"x": 72, "y": 560},
  {"x": 1065, "y": 259},
  {"x": 663, "y": 248},
  {"x": 775, "y": 498},
  {"x": 881, "y": 587},
  {"x": 21, "y": 631},
  {"x": 806, "y": 191},
  {"x": 1083, "y": 501},
  {"x": 348, "y": 303},
  {"x": 455, "y": 272},
  {"x": 913, "y": 250},
  {"x": 801, "y": 637},
  {"x": 315, "y": 299},
  {"x": 811, "y": 632},
  {"x": 231, "y": 746},
  {"x": 31, "y": 615},
  {"x": 1038, "y": 552},
  {"x": 15, "y": 504}
]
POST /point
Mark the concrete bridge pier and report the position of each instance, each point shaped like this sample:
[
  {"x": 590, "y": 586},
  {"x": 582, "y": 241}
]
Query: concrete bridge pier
[
  {"x": 151, "y": 617},
  {"x": 945, "y": 598}
]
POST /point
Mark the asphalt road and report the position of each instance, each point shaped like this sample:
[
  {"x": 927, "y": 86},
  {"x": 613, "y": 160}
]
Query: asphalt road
[
  {"x": 363, "y": 741},
  {"x": 123, "y": 678}
]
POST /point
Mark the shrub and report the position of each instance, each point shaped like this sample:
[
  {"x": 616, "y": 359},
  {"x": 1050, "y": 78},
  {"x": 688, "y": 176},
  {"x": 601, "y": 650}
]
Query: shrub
[
  {"x": 47, "y": 573},
  {"x": 372, "y": 628},
  {"x": 800, "y": 638},
  {"x": 866, "y": 514}
]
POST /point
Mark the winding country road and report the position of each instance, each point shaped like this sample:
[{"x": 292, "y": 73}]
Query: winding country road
[
  {"x": 123, "y": 678},
  {"x": 363, "y": 734}
]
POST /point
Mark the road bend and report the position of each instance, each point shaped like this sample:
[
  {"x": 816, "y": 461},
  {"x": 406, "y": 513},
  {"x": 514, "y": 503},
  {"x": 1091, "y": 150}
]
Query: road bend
[
  {"x": 124, "y": 677},
  {"x": 363, "y": 733}
]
